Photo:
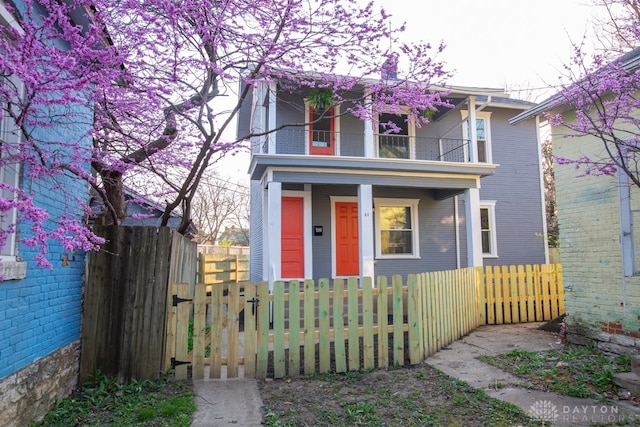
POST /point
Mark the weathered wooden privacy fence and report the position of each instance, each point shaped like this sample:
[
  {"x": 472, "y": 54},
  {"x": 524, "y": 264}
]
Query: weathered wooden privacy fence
[
  {"x": 125, "y": 301},
  {"x": 305, "y": 327}
]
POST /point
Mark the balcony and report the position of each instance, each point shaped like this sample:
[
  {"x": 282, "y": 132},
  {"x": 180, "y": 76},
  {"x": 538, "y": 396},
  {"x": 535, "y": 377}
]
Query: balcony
[{"x": 298, "y": 141}]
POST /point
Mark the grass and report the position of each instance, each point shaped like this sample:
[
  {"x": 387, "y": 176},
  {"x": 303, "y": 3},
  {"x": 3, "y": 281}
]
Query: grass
[
  {"x": 573, "y": 371},
  {"x": 104, "y": 402}
]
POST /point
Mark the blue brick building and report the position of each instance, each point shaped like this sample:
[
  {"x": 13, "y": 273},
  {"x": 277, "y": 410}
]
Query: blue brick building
[{"x": 40, "y": 308}]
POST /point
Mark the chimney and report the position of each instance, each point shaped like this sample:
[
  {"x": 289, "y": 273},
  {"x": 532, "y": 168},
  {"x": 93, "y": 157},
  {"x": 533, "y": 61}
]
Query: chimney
[{"x": 390, "y": 68}]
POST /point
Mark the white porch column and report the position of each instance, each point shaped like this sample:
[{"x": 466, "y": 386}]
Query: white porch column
[
  {"x": 473, "y": 131},
  {"x": 258, "y": 117},
  {"x": 474, "y": 231},
  {"x": 365, "y": 230},
  {"x": 369, "y": 138},
  {"x": 271, "y": 117},
  {"x": 274, "y": 226}
]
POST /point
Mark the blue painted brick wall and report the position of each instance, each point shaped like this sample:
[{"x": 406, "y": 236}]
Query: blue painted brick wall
[{"x": 42, "y": 312}]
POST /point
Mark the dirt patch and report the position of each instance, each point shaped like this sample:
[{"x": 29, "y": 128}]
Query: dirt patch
[
  {"x": 399, "y": 396},
  {"x": 406, "y": 396}
]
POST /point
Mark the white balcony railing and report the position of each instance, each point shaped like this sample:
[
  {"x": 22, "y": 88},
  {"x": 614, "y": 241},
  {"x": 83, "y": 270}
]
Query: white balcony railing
[{"x": 297, "y": 141}]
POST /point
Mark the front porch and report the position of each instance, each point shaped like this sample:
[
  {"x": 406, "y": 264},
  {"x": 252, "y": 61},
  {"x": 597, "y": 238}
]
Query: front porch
[{"x": 438, "y": 202}]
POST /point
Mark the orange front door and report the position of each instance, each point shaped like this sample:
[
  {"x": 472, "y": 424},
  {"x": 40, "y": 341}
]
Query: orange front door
[
  {"x": 347, "y": 246},
  {"x": 292, "y": 238}
]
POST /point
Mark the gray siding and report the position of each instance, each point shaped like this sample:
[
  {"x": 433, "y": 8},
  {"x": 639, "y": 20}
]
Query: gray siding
[
  {"x": 255, "y": 237},
  {"x": 437, "y": 234},
  {"x": 290, "y": 110},
  {"x": 516, "y": 188},
  {"x": 351, "y": 135}
]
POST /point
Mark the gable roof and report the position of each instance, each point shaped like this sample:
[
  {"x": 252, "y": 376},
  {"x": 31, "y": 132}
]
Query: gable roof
[{"x": 629, "y": 61}]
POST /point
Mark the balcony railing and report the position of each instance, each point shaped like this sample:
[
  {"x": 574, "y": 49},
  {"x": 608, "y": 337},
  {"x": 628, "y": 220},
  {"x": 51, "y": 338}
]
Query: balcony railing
[{"x": 352, "y": 144}]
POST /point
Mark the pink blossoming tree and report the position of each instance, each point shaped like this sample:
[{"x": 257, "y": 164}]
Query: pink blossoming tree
[
  {"x": 152, "y": 74},
  {"x": 603, "y": 93}
]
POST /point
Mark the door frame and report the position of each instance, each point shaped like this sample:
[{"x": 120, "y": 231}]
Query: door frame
[
  {"x": 306, "y": 230},
  {"x": 336, "y": 130},
  {"x": 334, "y": 199}
]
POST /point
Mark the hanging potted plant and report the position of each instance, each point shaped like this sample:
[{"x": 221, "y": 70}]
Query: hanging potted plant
[{"x": 320, "y": 98}]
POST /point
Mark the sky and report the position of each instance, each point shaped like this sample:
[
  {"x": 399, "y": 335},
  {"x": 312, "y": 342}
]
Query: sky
[
  {"x": 498, "y": 43},
  {"x": 515, "y": 44}
]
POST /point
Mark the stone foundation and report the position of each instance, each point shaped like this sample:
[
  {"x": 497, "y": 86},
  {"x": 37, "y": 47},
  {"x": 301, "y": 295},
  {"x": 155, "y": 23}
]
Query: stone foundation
[
  {"x": 607, "y": 340},
  {"x": 27, "y": 394}
]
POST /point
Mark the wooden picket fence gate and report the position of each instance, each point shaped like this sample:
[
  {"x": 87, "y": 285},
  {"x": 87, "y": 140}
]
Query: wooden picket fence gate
[{"x": 242, "y": 329}]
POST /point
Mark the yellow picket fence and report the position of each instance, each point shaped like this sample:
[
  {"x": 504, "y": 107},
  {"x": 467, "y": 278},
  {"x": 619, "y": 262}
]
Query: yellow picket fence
[
  {"x": 243, "y": 329},
  {"x": 523, "y": 293}
]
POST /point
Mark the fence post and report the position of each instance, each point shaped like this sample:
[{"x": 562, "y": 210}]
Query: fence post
[
  {"x": 413, "y": 316},
  {"x": 199, "y": 323},
  {"x": 367, "y": 322}
]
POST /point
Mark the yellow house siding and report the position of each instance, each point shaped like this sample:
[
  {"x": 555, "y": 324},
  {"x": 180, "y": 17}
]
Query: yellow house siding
[{"x": 601, "y": 303}]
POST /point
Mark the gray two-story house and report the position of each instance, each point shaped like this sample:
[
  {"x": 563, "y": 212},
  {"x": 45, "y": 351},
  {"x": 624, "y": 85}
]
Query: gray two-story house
[{"x": 336, "y": 196}]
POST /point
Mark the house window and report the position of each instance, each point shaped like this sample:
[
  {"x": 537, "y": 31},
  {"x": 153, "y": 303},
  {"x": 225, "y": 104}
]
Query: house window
[
  {"x": 488, "y": 228},
  {"x": 11, "y": 267},
  {"x": 322, "y": 131},
  {"x": 396, "y": 224},
  {"x": 629, "y": 197},
  {"x": 394, "y": 136},
  {"x": 9, "y": 173},
  {"x": 483, "y": 135}
]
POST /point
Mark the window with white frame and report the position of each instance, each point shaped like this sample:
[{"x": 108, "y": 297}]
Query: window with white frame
[
  {"x": 9, "y": 172},
  {"x": 396, "y": 228},
  {"x": 483, "y": 135},
  {"x": 11, "y": 267},
  {"x": 488, "y": 228}
]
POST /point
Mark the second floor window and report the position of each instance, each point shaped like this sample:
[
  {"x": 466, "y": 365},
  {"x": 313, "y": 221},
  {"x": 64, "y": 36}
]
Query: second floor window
[
  {"x": 483, "y": 135},
  {"x": 394, "y": 136}
]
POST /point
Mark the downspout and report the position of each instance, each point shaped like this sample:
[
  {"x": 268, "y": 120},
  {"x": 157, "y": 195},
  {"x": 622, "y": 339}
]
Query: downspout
[
  {"x": 542, "y": 195},
  {"x": 456, "y": 228},
  {"x": 626, "y": 234}
]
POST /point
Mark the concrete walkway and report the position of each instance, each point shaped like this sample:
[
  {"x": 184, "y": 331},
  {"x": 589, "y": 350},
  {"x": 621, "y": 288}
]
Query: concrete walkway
[
  {"x": 237, "y": 401},
  {"x": 227, "y": 402},
  {"x": 459, "y": 361}
]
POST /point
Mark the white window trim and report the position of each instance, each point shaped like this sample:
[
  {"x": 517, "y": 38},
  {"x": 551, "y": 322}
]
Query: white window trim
[
  {"x": 486, "y": 116},
  {"x": 490, "y": 205},
  {"x": 11, "y": 266},
  {"x": 411, "y": 130},
  {"x": 336, "y": 127},
  {"x": 410, "y": 203}
]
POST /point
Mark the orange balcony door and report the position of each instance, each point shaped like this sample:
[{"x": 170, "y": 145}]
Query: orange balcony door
[{"x": 322, "y": 138}]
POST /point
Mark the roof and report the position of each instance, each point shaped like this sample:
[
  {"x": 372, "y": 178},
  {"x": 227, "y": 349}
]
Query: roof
[
  {"x": 498, "y": 97},
  {"x": 629, "y": 61}
]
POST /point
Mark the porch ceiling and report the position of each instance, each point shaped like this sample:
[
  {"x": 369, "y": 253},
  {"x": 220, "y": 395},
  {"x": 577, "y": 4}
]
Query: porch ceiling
[{"x": 375, "y": 171}]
